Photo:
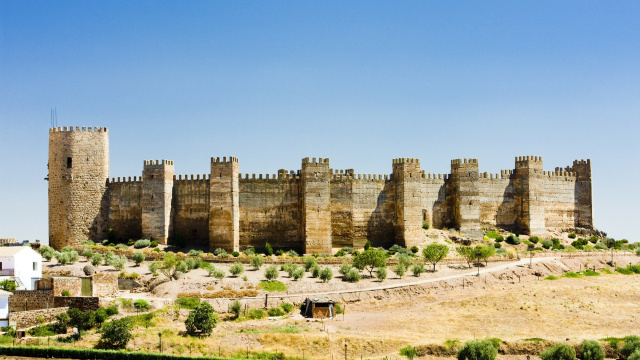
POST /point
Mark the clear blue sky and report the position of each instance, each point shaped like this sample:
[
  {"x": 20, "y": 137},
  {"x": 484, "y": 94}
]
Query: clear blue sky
[{"x": 360, "y": 82}]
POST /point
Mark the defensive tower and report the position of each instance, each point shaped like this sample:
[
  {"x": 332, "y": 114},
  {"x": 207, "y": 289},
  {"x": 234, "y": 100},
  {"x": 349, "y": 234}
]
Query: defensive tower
[
  {"x": 584, "y": 211},
  {"x": 316, "y": 206},
  {"x": 466, "y": 209},
  {"x": 407, "y": 178},
  {"x": 157, "y": 190},
  {"x": 78, "y": 173},
  {"x": 224, "y": 204},
  {"x": 529, "y": 188}
]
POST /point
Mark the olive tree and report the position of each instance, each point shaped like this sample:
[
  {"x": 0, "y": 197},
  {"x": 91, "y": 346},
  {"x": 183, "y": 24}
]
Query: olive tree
[
  {"x": 370, "y": 260},
  {"x": 434, "y": 253}
]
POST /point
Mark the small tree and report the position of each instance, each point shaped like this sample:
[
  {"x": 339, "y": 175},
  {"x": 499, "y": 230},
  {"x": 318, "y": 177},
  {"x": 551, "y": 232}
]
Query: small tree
[
  {"x": 381, "y": 273},
  {"x": 268, "y": 250},
  {"x": 352, "y": 275},
  {"x": 169, "y": 263},
  {"x": 153, "y": 267},
  {"x": 486, "y": 252},
  {"x": 236, "y": 269},
  {"x": 326, "y": 274},
  {"x": 433, "y": 253},
  {"x": 62, "y": 257},
  {"x": 138, "y": 257},
  {"x": 631, "y": 343},
  {"x": 87, "y": 253},
  {"x": 201, "y": 320},
  {"x": 271, "y": 273},
  {"x": 417, "y": 269},
  {"x": 478, "y": 350},
  {"x": 399, "y": 270},
  {"x": 96, "y": 259},
  {"x": 235, "y": 308},
  {"x": 297, "y": 273},
  {"x": 409, "y": 352},
  {"x": 116, "y": 334},
  {"x": 47, "y": 252},
  {"x": 367, "y": 245},
  {"x": 309, "y": 263},
  {"x": 370, "y": 259},
  {"x": 468, "y": 253},
  {"x": 591, "y": 350},
  {"x": 118, "y": 262},
  {"x": 344, "y": 268},
  {"x": 559, "y": 352},
  {"x": 256, "y": 262}
]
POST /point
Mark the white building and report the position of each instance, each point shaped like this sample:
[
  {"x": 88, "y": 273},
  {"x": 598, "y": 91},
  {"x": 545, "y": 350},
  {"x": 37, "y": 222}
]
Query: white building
[
  {"x": 21, "y": 264},
  {"x": 4, "y": 308}
]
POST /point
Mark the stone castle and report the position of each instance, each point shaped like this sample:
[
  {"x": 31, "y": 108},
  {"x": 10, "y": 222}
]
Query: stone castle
[{"x": 311, "y": 210}]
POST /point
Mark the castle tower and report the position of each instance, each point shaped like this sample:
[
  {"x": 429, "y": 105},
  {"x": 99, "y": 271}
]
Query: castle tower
[
  {"x": 466, "y": 207},
  {"x": 157, "y": 191},
  {"x": 224, "y": 204},
  {"x": 407, "y": 178},
  {"x": 528, "y": 195},
  {"x": 78, "y": 173},
  {"x": 316, "y": 206},
  {"x": 584, "y": 213}
]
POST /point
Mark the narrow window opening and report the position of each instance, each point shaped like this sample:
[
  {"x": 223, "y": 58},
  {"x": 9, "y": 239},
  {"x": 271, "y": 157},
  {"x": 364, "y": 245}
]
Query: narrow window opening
[
  {"x": 35, "y": 266},
  {"x": 221, "y": 175},
  {"x": 69, "y": 162}
]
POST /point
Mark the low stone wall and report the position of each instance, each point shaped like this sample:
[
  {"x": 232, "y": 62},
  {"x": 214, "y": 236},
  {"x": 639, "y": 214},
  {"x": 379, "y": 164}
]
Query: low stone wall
[
  {"x": 23, "y": 300},
  {"x": 25, "y": 319},
  {"x": 58, "y": 284},
  {"x": 104, "y": 285},
  {"x": 78, "y": 302}
]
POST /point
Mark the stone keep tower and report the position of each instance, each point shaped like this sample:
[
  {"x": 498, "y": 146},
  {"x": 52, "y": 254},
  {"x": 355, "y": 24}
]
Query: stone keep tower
[
  {"x": 529, "y": 188},
  {"x": 224, "y": 204},
  {"x": 407, "y": 178},
  {"x": 78, "y": 173},
  {"x": 316, "y": 206},
  {"x": 466, "y": 209},
  {"x": 157, "y": 190}
]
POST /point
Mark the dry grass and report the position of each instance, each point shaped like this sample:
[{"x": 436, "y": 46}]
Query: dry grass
[{"x": 220, "y": 294}]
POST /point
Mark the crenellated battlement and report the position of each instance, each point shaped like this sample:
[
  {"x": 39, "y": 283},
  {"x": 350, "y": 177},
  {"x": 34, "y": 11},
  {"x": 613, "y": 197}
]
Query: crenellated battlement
[
  {"x": 313, "y": 161},
  {"x": 432, "y": 176},
  {"x": 148, "y": 163},
  {"x": 406, "y": 161},
  {"x": 464, "y": 161},
  {"x": 191, "y": 177},
  {"x": 232, "y": 159},
  {"x": 581, "y": 162},
  {"x": 124, "y": 180},
  {"x": 529, "y": 162},
  {"x": 77, "y": 129}
]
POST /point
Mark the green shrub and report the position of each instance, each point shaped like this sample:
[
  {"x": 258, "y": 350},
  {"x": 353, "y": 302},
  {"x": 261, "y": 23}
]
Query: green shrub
[
  {"x": 635, "y": 355},
  {"x": 381, "y": 273},
  {"x": 478, "y": 350},
  {"x": 216, "y": 273},
  {"x": 141, "y": 304},
  {"x": 551, "y": 277},
  {"x": 352, "y": 275},
  {"x": 315, "y": 271},
  {"x": 534, "y": 239},
  {"x": 409, "y": 352},
  {"x": 297, "y": 273},
  {"x": 201, "y": 320},
  {"x": 121, "y": 247},
  {"x": 348, "y": 250},
  {"x": 339, "y": 309},
  {"x": 87, "y": 253},
  {"x": 631, "y": 344},
  {"x": 326, "y": 274},
  {"x": 572, "y": 236},
  {"x": 235, "y": 254},
  {"x": 42, "y": 331},
  {"x": 188, "y": 302},
  {"x": 8, "y": 285},
  {"x": 399, "y": 270},
  {"x": 256, "y": 314},
  {"x": 340, "y": 253},
  {"x": 425, "y": 225},
  {"x": 143, "y": 243},
  {"x": 268, "y": 250},
  {"x": 590, "y": 272},
  {"x": 115, "y": 334},
  {"x": 494, "y": 235},
  {"x": 559, "y": 352},
  {"x": 634, "y": 268},
  {"x": 257, "y": 262},
  {"x": 547, "y": 244},
  {"x": 418, "y": 269},
  {"x": 279, "y": 252},
  {"x": 287, "y": 307},
  {"x": 292, "y": 253},
  {"x": 571, "y": 274},
  {"x": 276, "y": 311},
  {"x": 513, "y": 240},
  {"x": 235, "y": 308},
  {"x": 344, "y": 268},
  {"x": 236, "y": 269},
  {"x": 367, "y": 245},
  {"x": 47, "y": 252},
  {"x": 138, "y": 257},
  {"x": 591, "y": 350},
  {"x": 271, "y": 273},
  {"x": 131, "y": 242},
  {"x": 111, "y": 310},
  {"x": 309, "y": 262},
  {"x": 624, "y": 271}
]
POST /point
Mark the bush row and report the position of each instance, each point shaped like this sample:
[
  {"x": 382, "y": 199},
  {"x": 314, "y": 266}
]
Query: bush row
[{"x": 86, "y": 353}]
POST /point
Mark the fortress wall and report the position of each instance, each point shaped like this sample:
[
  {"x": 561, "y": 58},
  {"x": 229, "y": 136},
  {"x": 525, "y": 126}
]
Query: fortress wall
[
  {"x": 434, "y": 206},
  {"x": 341, "y": 192},
  {"x": 373, "y": 211},
  {"x": 190, "y": 208},
  {"x": 125, "y": 210},
  {"x": 559, "y": 199},
  {"x": 270, "y": 212},
  {"x": 496, "y": 201}
]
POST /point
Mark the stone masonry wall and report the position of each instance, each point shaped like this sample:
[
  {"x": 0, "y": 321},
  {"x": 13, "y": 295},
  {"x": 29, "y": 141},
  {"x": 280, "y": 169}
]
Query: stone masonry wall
[
  {"x": 270, "y": 211},
  {"x": 190, "y": 210},
  {"x": 125, "y": 210},
  {"x": 25, "y": 319},
  {"x": 77, "y": 302},
  {"x": 104, "y": 285},
  {"x": 23, "y": 300}
]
